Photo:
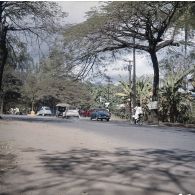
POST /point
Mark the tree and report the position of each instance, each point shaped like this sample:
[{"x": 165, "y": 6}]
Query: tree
[
  {"x": 31, "y": 89},
  {"x": 57, "y": 80},
  {"x": 143, "y": 92},
  {"x": 125, "y": 91},
  {"x": 186, "y": 23},
  {"x": 174, "y": 103},
  {"x": 114, "y": 26},
  {"x": 11, "y": 90},
  {"x": 29, "y": 18},
  {"x": 103, "y": 93},
  {"x": 14, "y": 76}
]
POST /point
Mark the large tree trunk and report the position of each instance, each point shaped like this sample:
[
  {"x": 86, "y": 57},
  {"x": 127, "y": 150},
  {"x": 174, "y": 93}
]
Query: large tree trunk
[
  {"x": 3, "y": 55},
  {"x": 3, "y": 50},
  {"x": 154, "y": 112},
  {"x": 2, "y": 103},
  {"x": 156, "y": 76},
  {"x": 3, "y": 58},
  {"x": 173, "y": 112}
]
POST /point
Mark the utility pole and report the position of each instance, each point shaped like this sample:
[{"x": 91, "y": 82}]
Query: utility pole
[
  {"x": 130, "y": 110},
  {"x": 134, "y": 76},
  {"x": 109, "y": 81}
]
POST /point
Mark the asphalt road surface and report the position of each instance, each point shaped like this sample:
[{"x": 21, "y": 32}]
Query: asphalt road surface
[{"x": 48, "y": 155}]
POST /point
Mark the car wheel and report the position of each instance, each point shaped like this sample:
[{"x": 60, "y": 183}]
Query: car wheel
[
  {"x": 108, "y": 119},
  {"x": 101, "y": 119}
]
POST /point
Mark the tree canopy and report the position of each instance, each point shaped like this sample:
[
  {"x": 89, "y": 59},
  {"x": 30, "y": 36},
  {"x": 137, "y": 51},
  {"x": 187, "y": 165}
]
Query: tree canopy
[
  {"x": 112, "y": 28},
  {"x": 28, "y": 18}
]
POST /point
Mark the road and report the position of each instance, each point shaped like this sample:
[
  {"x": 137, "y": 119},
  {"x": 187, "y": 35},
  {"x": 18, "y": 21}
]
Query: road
[{"x": 45, "y": 155}]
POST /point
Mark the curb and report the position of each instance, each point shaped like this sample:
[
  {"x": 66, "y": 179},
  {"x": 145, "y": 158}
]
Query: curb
[{"x": 178, "y": 125}]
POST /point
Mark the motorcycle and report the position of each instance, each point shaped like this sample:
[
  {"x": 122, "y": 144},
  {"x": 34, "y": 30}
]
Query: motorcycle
[{"x": 139, "y": 121}]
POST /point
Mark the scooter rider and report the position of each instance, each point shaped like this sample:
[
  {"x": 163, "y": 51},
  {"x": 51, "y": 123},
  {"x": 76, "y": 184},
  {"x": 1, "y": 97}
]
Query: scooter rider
[{"x": 138, "y": 111}]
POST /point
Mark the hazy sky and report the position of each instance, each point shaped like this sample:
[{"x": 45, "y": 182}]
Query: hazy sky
[
  {"x": 76, "y": 14},
  {"x": 76, "y": 9}
]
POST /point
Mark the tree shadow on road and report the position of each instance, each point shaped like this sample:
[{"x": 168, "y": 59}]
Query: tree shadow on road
[{"x": 121, "y": 172}]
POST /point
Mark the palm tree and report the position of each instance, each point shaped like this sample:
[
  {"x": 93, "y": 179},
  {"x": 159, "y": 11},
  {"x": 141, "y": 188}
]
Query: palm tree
[
  {"x": 172, "y": 100},
  {"x": 126, "y": 91},
  {"x": 143, "y": 91},
  {"x": 126, "y": 94}
]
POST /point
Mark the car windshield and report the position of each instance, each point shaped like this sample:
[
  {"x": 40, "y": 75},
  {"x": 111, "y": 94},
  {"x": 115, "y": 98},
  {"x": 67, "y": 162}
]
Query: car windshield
[
  {"x": 61, "y": 109},
  {"x": 72, "y": 108},
  {"x": 103, "y": 112}
]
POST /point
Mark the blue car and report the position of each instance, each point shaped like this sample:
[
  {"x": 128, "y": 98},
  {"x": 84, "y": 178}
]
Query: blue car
[{"x": 100, "y": 115}]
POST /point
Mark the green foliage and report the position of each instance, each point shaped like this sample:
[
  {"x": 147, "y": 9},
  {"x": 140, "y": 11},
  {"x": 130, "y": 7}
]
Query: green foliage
[
  {"x": 174, "y": 105},
  {"x": 57, "y": 79},
  {"x": 50, "y": 91},
  {"x": 126, "y": 91},
  {"x": 23, "y": 22},
  {"x": 144, "y": 89},
  {"x": 100, "y": 93},
  {"x": 113, "y": 27},
  {"x": 48, "y": 83},
  {"x": 11, "y": 89},
  {"x": 31, "y": 89},
  {"x": 143, "y": 92}
]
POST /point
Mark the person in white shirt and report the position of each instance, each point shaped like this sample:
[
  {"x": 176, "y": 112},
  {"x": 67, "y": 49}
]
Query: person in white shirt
[{"x": 138, "y": 111}]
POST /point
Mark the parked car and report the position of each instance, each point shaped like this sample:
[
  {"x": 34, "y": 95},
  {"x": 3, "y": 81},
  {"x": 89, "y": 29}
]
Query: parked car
[
  {"x": 44, "y": 111},
  {"x": 100, "y": 114},
  {"x": 71, "y": 112},
  {"x": 86, "y": 113}
]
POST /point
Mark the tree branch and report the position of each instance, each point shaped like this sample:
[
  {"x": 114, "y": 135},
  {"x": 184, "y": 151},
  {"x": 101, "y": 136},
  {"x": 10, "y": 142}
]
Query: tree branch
[{"x": 166, "y": 43}]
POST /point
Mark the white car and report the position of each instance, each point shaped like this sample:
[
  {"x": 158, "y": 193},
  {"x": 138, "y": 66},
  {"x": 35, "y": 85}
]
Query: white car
[
  {"x": 71, "y": 112},
  {"x": 44, "y": 111}
]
